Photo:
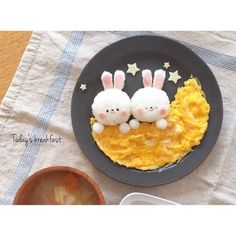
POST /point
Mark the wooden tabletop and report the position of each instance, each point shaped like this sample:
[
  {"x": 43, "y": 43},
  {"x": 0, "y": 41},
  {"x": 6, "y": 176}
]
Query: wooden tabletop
[{"x": 12, "y": 47}]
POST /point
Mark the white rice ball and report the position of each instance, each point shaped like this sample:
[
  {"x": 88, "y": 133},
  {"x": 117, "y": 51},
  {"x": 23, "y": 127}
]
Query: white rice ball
[
  {"x": 134, "y": 124},
  {"x": 124, "y": 128},
  {"x": 98, "y": 128},
  {"x": 161, "y": 124}
]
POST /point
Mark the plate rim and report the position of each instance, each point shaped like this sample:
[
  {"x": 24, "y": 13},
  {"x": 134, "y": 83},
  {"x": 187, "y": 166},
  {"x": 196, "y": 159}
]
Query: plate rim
[{"x": 220, "y": 105}]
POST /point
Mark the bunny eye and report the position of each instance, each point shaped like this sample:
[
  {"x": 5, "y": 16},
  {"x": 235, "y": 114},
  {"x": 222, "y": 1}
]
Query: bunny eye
[
  {"x": 107, "y": 110},
  {"x": 117, "y": 109}
]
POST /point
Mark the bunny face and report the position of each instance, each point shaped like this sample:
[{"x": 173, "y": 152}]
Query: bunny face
[
  {"x": 150, "y": 104},
  {"x": 112, "y": 106}
]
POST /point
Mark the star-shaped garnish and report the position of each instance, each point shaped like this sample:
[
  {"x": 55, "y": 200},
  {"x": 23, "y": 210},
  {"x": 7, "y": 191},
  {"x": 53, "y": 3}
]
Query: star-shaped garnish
[
  {"x": 166, "y": 65},
  {"x": 133, "y": 69},
  {"x": 174, "y": 76},
  {"x": 83, "y": 87}
]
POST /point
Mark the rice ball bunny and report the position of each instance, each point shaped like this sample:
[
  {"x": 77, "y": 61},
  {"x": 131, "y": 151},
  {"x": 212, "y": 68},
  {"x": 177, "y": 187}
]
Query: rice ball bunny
[
  {"x": 150, "y": 104},
  {"x": 112, "y": 106}
]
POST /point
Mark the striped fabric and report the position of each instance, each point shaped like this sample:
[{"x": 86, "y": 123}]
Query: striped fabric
[
  {"x": 45, "y": 113},
  {"x": 209, "y": 56},
  {"x": 38, "y": 103}
]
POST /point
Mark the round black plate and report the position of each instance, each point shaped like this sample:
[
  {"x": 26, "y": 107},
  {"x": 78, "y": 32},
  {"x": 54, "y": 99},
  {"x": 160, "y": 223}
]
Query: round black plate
[{"x": 149, "y": 52}]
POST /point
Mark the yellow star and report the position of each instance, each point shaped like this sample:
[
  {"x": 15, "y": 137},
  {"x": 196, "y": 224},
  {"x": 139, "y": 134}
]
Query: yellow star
[
  {"x": 83, "y": 87},
  {"x": 174, "y": 76},
  {"x": 133, "y": 69},
  {"x": 166, "y": 65}
]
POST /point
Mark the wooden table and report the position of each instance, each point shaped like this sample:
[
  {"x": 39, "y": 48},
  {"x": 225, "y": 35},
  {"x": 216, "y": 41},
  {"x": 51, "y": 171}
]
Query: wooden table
[{"x": 12, "y": 47}]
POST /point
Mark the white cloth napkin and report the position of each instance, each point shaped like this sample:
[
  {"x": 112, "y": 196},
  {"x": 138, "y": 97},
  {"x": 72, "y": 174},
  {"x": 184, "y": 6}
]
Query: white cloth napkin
[{"x": 38, "y": 104}]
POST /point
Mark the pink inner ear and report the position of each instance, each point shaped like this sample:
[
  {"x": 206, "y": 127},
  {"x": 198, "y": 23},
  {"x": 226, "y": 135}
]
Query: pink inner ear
[
  {"x": 147, "y": 78},
  {"x": 119, "y": 82},
  {"x": 119, "y": 79},
  {"x": 123, "y": 113},
  {"x": 159, "y": 80},
  {"x": 147, "y": 82},
  {"x": 140, "y": 111},
  {"x": 101, "y": 115},
  {"x": 159, "y": 77},
  {"x": 107, "y": 80}
]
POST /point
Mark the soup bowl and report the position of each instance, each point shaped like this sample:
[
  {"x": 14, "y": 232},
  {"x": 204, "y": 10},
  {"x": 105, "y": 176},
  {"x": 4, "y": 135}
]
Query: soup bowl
[{"x": 59, "y": 185}]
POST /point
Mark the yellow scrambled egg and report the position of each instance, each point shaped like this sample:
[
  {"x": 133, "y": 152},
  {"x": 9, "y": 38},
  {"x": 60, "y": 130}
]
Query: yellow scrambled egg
[{"x": 149, "y": 148}]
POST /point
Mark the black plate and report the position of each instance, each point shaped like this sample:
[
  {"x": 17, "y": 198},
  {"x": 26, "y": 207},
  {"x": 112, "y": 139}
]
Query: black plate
[{"x": 149, "y": 52}]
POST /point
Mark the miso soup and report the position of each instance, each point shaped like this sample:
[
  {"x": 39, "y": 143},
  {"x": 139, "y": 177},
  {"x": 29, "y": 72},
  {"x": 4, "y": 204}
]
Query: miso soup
[{"x": 63, "y": 189}]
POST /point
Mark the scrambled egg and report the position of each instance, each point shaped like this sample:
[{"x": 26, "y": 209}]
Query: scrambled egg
[{"x": 147, "y": 147}]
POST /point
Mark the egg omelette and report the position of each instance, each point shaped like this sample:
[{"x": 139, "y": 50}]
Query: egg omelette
[{"x": 147, "y": 147}]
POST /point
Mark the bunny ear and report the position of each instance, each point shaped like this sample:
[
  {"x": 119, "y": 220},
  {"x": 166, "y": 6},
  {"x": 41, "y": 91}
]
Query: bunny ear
[
  {"x": 159, "y": 78},
  {"x": 147, "y": 78},
  {"x": 119, "y": 79},
  {"x": 106, "y": 80}
]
